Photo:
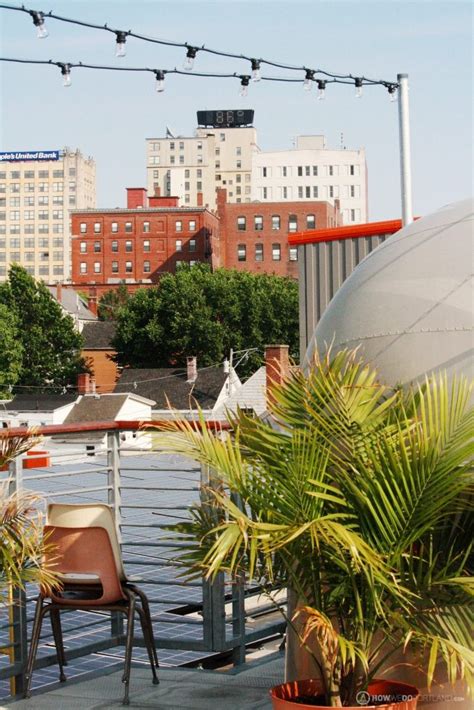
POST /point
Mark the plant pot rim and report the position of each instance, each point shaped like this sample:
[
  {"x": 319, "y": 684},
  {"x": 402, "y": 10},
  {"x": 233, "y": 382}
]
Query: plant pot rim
[{"x": 406, "y": 696}]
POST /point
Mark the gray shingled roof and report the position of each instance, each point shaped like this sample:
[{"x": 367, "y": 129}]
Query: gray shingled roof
[
  {"x": 95, "y": 409},
  {"x": 165, "y": 383},
  {"x": 98, "y": 335},
  {"x": 39, "y": 402},
  {"x": 72, "y": 303}
]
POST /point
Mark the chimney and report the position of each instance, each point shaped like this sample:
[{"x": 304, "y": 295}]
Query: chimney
[
  {"x": 59, "y": 291},
  {"x": 92, "y": 304},
  {"x": 200, "y": 200},
  {"x": 85, "y": 384},
  {"x": 165, "y": 201},
  {"x": 191, "y": 364},
  {"x": 277, "y": 366},
  {"x": 136, "y": 198}
]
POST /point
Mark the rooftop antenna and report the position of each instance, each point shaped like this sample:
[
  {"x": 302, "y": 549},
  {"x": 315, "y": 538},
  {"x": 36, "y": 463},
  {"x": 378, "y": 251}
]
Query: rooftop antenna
[{"x": 343, "y": 147}]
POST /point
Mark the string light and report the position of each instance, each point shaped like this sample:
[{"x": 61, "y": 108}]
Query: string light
[
  {"x": 244, "y": 85},
  {"x": 392, "y": 91},
  {"x": 321, "y": 89},
  {"x": 308, "y": 79},
  {"x": 66, "y": 74},
  {"x": 191, "y": 51},
  {"x": 38, "y": 21},
  {"x": 190, "y": 57},
  {"x": 160, "y": 80},
  {"x": 120, "y": 49},
  {"x": 256, "y": 73}
]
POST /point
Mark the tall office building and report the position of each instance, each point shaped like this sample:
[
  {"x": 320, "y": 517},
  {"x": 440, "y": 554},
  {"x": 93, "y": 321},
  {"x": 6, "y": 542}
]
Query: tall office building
[
  {"x": 37, "y": 190},
  {"x": 224, "y": 153}
]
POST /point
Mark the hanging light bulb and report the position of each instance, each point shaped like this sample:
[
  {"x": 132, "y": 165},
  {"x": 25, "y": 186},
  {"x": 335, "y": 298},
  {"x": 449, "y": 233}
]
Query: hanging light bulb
[
  {"x": 358, "y": 86},
  {"x": 160, "y": 80},
  {"x": 308, "y": 80},
  {"x": 392, "y": 92},
  {"x": 66, "y": 74},
  {"x": 120, "y": 49},
  {"x": 244, "y": 85},
  {"x": 190, "y": 57},
  {"x": 38, "y": 21},
  {"x": 256, "y": 74},
  {"x": 321, "y": 89}
]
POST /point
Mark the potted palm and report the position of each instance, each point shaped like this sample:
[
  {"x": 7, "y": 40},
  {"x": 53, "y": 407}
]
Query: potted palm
[{"x": 356, "y": 499}]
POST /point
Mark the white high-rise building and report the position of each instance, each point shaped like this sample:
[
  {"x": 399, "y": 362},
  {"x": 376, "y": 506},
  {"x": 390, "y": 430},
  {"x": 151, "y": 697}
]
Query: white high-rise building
[
  {"x": 310, "y": 171},
  {"x": 37, "y": 190}
]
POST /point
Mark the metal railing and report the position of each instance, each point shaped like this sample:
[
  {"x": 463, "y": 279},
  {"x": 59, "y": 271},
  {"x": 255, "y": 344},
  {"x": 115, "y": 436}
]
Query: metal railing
[{"x": 114, "y": 463}]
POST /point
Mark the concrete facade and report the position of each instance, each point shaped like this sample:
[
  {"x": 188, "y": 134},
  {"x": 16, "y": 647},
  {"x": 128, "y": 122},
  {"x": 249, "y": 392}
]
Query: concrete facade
[{"x": 35, "y": 199}]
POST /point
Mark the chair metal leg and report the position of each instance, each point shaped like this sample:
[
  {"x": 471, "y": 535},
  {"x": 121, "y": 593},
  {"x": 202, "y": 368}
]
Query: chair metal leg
[
  {"x": 146, "y": 608},
  {"x": 55, "y": 616},
  {"x": 128, "y": 647},
  {"x": 148, "y": 643},
  {"x": 35, "y": 636}
]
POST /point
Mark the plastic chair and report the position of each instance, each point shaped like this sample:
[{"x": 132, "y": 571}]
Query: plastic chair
[{"x": 89, "y": 562}]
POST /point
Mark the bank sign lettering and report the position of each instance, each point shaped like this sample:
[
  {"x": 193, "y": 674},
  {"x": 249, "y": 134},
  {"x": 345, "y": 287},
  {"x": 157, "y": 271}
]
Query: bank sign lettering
[{"x": 29, "y": 155}]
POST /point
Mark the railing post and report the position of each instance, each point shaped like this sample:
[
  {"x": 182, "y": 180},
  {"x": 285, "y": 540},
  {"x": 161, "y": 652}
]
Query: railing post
[
  {"x": 114, "y": 500},
  {"x": 18, "y": 617},
  {"x": 213, "y": 592}
]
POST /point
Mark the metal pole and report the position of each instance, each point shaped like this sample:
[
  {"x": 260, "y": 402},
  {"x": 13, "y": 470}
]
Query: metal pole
[{"x": 405, "y": 157}]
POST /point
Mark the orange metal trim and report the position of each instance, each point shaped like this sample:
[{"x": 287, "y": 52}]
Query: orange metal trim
[
  {"x": 352, "y": 231},
  {"x": 119, "y": 425}
]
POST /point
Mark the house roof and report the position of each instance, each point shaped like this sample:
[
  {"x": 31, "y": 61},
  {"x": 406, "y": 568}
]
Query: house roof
[
  {"x": 92, "y": 408},
  {"x": 98, "y": 335},
  {"x": 72, "y": 303},
  {"x": 162, "y": 384},
  {"x": 250, "y": 395},
  {"x": 39, "y": 402}
]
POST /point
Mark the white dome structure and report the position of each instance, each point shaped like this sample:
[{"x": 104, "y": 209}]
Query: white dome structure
[{"x": 409, "y": 304}]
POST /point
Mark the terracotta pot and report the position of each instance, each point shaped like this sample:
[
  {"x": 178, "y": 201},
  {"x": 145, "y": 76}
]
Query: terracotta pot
[{"x": 398, "y": 696}]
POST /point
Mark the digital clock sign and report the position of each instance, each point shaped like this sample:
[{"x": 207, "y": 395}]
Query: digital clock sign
[{"x": 225, "y": 119}]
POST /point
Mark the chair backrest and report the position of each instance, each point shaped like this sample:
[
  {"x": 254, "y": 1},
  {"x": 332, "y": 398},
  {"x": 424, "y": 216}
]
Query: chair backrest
[
  {"x": 83, "y": 550},
  {"x": 88, "y": 515}
]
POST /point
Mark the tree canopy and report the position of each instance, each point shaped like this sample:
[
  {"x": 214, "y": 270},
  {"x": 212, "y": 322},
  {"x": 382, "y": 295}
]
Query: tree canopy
[
  {"x": 111, "y": 301},
  {"x": 46, "y": 337},
  {"x": 11, "y": 351},
  {"x": 204, "y": 313}
]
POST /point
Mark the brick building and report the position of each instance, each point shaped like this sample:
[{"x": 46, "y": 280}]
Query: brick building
[
  {"x": 137, "y": 244},
  {"x": 254, "y": 236}
]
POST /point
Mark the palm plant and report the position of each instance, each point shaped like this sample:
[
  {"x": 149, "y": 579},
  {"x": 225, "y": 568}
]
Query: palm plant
[
  {"x": 22, "y": 545},
  {"x": 358, "y": 499}
]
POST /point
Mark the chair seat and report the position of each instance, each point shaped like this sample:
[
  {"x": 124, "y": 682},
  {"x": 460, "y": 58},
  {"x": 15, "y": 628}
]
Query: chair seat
[{"x": 79, "y": 578}]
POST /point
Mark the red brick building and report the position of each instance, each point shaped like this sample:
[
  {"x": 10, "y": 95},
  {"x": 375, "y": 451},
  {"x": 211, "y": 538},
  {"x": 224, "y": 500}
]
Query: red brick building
[
  {"x": 254, "y": 235},
  {"x": 137, "y": 244}
]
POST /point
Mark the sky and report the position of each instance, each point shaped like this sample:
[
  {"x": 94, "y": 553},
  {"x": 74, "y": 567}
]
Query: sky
[{"x": 108, "y": 115}]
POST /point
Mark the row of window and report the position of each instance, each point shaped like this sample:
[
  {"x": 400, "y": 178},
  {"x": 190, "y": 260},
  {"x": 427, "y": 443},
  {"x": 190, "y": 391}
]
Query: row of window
[
  {"x": 97, "y": 267},
  {"x": 29, "y": 242},
  {"x": 114, "y": 227},
  {"x": 33, "y": 256},
  {"x": 30, "y": 201},
  {"x": 307, "y": 170},
  {"x": 28, "y": 174},
  {"x": 114, "y": 246},
  {"x": 37, "y": 186},
  {"x": 32, "y": 229},
  {"x": 31, "y": 214},
  {"x": 259, "y": 252},
  {"x": 276, "y": 222},
  {"x": 172, "y": 146},
  {"x": 58, "y": 270}
]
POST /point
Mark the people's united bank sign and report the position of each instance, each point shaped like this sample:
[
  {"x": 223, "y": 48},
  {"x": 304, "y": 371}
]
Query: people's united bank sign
[{"x": 17, "y": 156}]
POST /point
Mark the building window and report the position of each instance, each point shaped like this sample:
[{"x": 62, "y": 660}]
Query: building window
[
  {"x": 192, "y": 225},
  {"x": 293, "y": 253},
  {"x": 353, "y": 190},
  {"x": 300, "y": 171},
  {"x": 181, "y": 159},
  {"x": 146, "y": 245},
  {"x": 178, "y": 245},
  {"x": 199, "y": 145},
  {"x": 179, "y": 226},
  {"x": 315, "y": 191},
  {"x": 115, "y": 267},
  {"x": 156, "y": 174},
  {"x": 276, "y": 252},
  {"x": 57, "y": 200},
  {"x": 172, "y": 145},
  {"x": 310, "y": 221},
  {"x": 172, "y": 160},
  {"x": 307, "y": 192},
  {"x": 128, "y": 226},
  {"x": 258, "y": 252},
  {"x": 15, "y": 187},
  {"x": 330, "y": 170},
  {"x": 276, "y": 222},
  {"x": 284, "y": 171},
  {"x": 187, "y": 199},
  {"x": 128, "y": 245},
  {"x": 351, "y": 169},
  {"x": 96, "y": 267},
  {"x": 114, "y": 246},
  {"x": 57, "y": 214},
  {"x": 83, "y": 267},
  {"x": 292, "y": 223},
  {"x": 307, "y": 170},
  {"x": 181, "y": 145},
  {"x": 238, "y": 164},
  {"x": 83, "y": 247},
  {"x": 258, "y": 223},
  {"x": 43, "y": 229},
  {"x": 114, "y": 227},
  {"x": 146, "y": 226},
  {"x": 353, "y": 215},
  {"x": 331, "y": 191},
  {"x": 29, "y": 214},
  {"x": 199, "y": 162},
  {"x": 241, "y": 224},
  {"x": 187, "y": 174},
  {"x": 199, "y": 173},
  {"x": 83, "y": 228},
  {"x": 96, "y": 227},
  {"x": 58, "y": 187},
  {"x": 30, "y": 243},
  {"x": 300, "y": 192},
  {"x": 264, "y": 172},
  {"x": 146, "y": 267},
  {"x": 28, "y": 201},
  {"x": 192, "y": 245},
  {"x": 222, "y": 137},
  {"x": 238, "y": 150},
  {"x": 58, "y": 173},
  {"x": 241, "y": 252},
  {"x": 128, "y": 267},
  {"x": 97, "y": 247},
  {"x": 315, "y": 170}
]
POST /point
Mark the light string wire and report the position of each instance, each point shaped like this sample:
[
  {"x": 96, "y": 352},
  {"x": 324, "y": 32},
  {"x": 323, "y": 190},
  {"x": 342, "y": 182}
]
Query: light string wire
[{"x": 39, "y": 17}]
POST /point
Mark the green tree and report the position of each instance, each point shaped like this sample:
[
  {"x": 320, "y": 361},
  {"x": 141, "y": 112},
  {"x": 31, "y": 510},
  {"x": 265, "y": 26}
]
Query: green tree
[
  {"x": 11, "y": 350},
  {"x": 50, "y": 344},
  {"x": 111, "y": 301},
  {"x": 204, "y": 313}
]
